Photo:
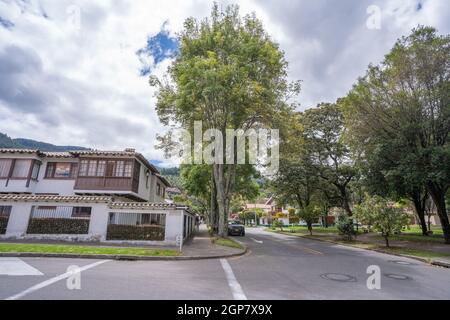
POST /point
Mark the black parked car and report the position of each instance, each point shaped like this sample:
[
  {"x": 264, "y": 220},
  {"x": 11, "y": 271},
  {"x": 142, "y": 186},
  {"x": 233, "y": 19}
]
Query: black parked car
[{"x": 235, "y": 228}]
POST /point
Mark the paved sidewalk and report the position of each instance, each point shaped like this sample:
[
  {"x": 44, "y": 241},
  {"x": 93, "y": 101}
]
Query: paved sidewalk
[{"x": 200, "y": 245}]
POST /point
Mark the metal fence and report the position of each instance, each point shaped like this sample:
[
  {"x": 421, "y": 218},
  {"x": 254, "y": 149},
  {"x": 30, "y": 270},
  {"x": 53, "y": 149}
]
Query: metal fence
[
  {"x": 59, "y": 220},
  {"x": 5, "y": 212},
  {"x": 136, "y": 226}
]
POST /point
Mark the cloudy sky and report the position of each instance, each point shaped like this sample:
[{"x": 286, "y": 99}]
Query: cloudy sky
[{"x": 76, "y": 72}]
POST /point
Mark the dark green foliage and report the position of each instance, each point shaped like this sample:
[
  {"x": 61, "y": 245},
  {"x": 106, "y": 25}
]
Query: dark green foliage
[
  {"x": 58, "y": 226},
  {"x": 125, "y": 232},
  {"x": 7, "y": 142},
  {"x": 3, "y": 224},
  {"x": 346, "y": 227}
]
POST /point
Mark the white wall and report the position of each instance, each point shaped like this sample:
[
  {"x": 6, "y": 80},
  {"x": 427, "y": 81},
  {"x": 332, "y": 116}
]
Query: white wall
[
  {"x": 144, "y": 188},
  {"x": 21, "y": 211}
]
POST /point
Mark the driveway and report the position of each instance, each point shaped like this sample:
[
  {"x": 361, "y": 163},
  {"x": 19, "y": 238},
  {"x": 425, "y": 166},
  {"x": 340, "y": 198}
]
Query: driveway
[{"x": 276, "y": 267}]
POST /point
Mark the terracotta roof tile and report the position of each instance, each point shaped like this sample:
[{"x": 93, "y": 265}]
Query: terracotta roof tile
[{"x": 53, "y": 198}]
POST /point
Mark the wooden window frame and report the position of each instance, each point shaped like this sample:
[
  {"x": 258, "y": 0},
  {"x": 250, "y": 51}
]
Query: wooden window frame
[{"x": 72, "y": 172}]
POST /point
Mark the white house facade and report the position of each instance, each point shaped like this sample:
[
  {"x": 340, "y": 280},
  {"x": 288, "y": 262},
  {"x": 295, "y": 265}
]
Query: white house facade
[{"x": 87, "y": 195}]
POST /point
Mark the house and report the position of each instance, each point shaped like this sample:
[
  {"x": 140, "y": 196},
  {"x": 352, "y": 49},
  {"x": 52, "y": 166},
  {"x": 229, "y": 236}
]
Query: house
[
  {"x": 87, "y": 195},
  {"x": 269, "y": 206},
  {"x": 124, "y": 175}
]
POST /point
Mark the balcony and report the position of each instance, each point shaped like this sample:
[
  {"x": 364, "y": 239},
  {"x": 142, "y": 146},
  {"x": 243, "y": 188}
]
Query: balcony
[{"x": 107, "y": 184}]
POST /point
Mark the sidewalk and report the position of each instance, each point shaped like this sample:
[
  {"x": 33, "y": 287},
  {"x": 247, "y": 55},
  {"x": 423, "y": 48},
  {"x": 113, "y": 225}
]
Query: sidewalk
[
  {"x": 200, "y": 246},
  {"x": 197, "y": 247}
]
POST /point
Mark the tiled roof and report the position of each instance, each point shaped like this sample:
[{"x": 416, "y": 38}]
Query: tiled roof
[
  {"x": 141, "y": 205},
  {"x": 129, "y": 153},
  {"x": 164, "y": 180},
  {"x": 15, "y": 150},
  {"x": 57, "y": 154},
  {"x": 53, "y": 198}
]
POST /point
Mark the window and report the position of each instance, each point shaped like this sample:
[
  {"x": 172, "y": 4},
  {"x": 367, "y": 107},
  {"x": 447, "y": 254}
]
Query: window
[
  {"x": 60, "y": 170},
  {"x": 158, "y": 189},
  {"x": 5, "y": 166},
  {"x": 83, "y": 168},
  {"x": 101, "y": 168},
  {"x": 35, "y": 171},
  {"x": 92, "y": 170},
  {"x": 119, "y": 168},
  {"x": 81, "y": 212},
  {"x": 21, "y": 168},
  {"x": 106, "y": 168},
  {"x": 128, "y": 169},
  {"x": 5, "y": 211}
]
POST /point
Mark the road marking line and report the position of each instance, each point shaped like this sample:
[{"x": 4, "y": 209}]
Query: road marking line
[
  {"x": 53, "y": 280},
  {"x": 17, "y": 267},
  {"x": 299, "y": 247},
  {"x": 234, "y": 285},
  {"x": 257, "y": 241}
]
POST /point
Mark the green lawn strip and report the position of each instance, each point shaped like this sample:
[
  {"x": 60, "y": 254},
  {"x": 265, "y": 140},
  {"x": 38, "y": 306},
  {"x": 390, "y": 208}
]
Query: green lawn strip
[
  {"x": 226, "y": 242},
  {"x": 71, "y": 249},
  {"x": 416, "y": 238},
  {"x": 419, "y": 253}
]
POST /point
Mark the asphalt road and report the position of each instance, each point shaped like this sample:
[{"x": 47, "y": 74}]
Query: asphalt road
[{"x": 276, "y": 267}]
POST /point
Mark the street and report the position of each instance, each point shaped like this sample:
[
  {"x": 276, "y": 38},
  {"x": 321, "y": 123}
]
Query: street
[{"x": 276, "y": 267}]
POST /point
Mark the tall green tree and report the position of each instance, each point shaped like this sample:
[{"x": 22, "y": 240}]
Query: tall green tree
[
  {"x": 324, "y": 133},
  {"x": 403, "y": 104},
  {"x": 228, "y": 73}
]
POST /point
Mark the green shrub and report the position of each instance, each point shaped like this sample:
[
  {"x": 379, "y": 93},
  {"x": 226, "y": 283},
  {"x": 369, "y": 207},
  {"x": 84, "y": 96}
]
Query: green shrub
[
  {"x": 3, "y": 224},
  {"x": 346, "y": 228},
  {"x": 127, "y": 232},
  {"x": 58, "y": 226}
]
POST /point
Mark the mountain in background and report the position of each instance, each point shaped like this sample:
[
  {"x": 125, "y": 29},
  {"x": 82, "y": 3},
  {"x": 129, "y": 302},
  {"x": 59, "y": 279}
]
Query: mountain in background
[{"x": 20, "y": 143}]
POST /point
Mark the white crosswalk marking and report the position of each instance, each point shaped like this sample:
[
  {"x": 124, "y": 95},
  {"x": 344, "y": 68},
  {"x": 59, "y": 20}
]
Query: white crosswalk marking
[{"x": 17, "y": 267}]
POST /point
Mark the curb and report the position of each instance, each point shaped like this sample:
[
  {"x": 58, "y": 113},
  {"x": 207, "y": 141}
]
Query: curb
[
  {"x": 117, "y": 257},
  {"x": 437, "y": 263}
]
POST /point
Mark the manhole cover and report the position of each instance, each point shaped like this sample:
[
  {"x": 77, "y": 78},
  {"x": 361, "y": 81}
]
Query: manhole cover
[
  {"x": 404, "y": 263},
  {"x": 397, "y": 276},
  {"x": 338, "y": 277}
]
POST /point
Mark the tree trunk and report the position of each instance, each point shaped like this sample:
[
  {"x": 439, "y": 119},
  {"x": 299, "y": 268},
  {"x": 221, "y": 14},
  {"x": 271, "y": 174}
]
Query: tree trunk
[
  {"x": 310, "y": 228},
  {"x": 386, "y": 238},
  {"x": 220, "y": 192},
  {"x": 214, "y": 212},
  {"x": 438, "y": 195},
  {"x": 420, "y": 210},
  {"x": 345, "y": 201}
]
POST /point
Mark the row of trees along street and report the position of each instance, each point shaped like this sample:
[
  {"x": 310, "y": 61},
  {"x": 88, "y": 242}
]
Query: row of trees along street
[{"x": 387, "y": 139}]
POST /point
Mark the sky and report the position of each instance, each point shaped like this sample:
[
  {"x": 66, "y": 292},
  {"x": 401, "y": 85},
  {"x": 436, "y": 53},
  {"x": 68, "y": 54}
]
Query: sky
[{"x": 75, "y": 72}]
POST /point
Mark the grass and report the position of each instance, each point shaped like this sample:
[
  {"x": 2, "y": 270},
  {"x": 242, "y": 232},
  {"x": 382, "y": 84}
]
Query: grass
[
  {"x": 226, "y": 242},
  {"x": 71, "y": 249},
  {"x": 416, "y": 238},
  {"x": 414, "y": 252},
  {"x": 426, "y": 254}
]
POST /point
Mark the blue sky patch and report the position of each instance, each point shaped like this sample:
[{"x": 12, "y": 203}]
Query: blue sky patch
[{"x": 159, "y": 47}]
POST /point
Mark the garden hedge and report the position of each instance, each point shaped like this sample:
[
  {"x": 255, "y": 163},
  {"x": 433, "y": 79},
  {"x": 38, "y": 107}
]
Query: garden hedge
[
  {"x": 58, "y": 226},
  {"x": 126, "y": 232},
  {"x": 3, "y": 224}
]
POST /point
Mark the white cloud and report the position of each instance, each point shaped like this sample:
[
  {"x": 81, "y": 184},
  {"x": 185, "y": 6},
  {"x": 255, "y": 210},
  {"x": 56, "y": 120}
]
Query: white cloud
[{"x": 81, "y": 86}]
